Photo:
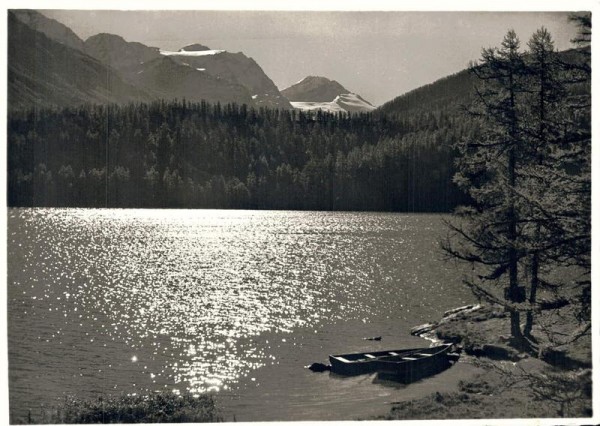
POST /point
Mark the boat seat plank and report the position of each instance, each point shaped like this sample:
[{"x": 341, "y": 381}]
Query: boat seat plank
[
  {"x": 420, "y": 354},
  {"x": 408, "y": 358},
  {"x": 393, "y": 353},
  {"x": 370, "y": 356}
]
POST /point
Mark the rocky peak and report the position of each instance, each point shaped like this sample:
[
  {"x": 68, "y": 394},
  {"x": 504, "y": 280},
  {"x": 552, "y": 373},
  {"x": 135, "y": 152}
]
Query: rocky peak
[
  {"x": 194, "y": 48},
  {"x": 314, "y": 89}
]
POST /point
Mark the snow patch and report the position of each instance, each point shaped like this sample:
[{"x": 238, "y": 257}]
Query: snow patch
[
  {"x": 254, "y": 96},
  {"x": 191, "y": 53},
  {"x": 347, "y": 102},
  {"x": 353, "y": 101},
  {"x": 315, "y": 106},
  {"x": 201, "y": 69},
  {"x": 299, "y": 81}
]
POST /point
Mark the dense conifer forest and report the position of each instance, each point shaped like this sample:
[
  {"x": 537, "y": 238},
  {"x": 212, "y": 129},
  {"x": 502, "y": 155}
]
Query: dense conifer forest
[{"x": 196, "y": 155}]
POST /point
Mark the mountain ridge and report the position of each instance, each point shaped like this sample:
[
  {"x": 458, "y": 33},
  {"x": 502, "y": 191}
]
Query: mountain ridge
[
  {"x": 45, "y": 73},
  {"x": 227, "y": 77},
  {"x": 50, "y": 27},
  {"x": 236, "y": 68}
]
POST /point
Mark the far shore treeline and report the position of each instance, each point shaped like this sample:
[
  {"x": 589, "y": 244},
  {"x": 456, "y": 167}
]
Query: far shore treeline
[{"x": 195, "y": 155}]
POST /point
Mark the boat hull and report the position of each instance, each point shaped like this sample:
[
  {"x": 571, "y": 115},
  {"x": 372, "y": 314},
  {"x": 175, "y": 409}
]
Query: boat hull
[
  {"x": 370, "y": 362},
  {"x": 411, "y": 370},
  {"x": 361, "y": 362}
]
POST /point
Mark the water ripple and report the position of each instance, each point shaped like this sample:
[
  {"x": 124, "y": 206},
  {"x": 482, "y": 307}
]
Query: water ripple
[{"x": 177, "y": 297}]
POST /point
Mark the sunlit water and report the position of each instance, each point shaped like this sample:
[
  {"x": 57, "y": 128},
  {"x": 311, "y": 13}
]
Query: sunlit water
[{"x": 105, "y": 301}]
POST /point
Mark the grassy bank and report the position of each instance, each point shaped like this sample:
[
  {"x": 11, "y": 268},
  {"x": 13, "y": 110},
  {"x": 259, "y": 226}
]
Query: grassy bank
[
  {"x": 555, "y": 382},
  {"x": 504, "y": 393},
  {"x": 151, "y": 408}
]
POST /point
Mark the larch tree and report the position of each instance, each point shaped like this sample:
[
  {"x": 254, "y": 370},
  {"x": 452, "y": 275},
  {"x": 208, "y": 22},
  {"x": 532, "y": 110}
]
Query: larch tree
[
  {"x": 557, "y": 189},
  {"x": 571, "y": 160},
  {"x": 582, "y": 141},
  {"x": 544, "y": 131},
  {"x": 488, "y": 234}
]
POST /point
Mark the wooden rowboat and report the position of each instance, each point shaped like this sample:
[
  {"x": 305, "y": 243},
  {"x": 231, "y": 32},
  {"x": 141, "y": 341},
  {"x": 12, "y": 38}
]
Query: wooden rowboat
[
  {"x": 414, "y": 366},
  {"x": 369, "y": 362}
]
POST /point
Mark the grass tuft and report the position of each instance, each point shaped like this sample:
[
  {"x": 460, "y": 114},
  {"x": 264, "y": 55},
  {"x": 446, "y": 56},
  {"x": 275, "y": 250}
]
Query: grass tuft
[{"x": 151, "y": 408}]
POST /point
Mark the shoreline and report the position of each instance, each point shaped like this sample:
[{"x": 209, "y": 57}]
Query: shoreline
[
  {"x": 490, "y": 380},
  {"x": 512, "y": 384},
  {"x": 290, "y": 392}
]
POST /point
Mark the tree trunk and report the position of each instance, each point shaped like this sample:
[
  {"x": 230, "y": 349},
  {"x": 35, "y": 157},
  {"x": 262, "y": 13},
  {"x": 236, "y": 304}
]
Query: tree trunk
[
  {"x": 532, "y": 294},
  {"x": 535, "y": 259},
  {"x": 515, "y": 317}
]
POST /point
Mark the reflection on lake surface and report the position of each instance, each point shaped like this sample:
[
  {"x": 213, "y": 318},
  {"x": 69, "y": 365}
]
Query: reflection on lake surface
[{"x": 111, "y": 301}]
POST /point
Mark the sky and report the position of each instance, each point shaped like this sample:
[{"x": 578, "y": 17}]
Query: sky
[{"x": 379, "y": 55}]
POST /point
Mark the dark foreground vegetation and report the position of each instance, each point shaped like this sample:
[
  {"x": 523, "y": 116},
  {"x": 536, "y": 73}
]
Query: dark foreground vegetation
[
  {"x": 497, "y": 394},
  {"x": 152, "y": 408}
]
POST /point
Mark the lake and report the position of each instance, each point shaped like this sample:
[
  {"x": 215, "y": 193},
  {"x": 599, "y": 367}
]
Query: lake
[{"x": 112, "y": 301}]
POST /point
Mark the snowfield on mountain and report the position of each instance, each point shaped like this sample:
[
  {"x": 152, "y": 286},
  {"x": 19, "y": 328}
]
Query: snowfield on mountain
[
  {"x": 191, "y": 53},
  {"x": 346, "y": 102}
]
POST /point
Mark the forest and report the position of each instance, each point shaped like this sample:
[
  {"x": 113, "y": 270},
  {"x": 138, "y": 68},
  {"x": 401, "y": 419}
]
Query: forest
[{"x": 197, "y": 155}]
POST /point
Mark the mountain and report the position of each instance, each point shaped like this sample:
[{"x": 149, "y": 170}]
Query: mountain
[
  {"x": 113, "y": 51},
  {"x": 194, "y": 72},
  {"x": 451, "y": 93},
  {"x": 314, "y": 89},
  {"x": 319, "y": 93},
  {"x": 43, "y": 72},
  {"x": 162, "y": 74},
  {"x": 446, "y": 94},
  {"x": 50, "y": 27},
  {"x": 235, "y": 68},
  {"x": 166, "y": 79}
]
